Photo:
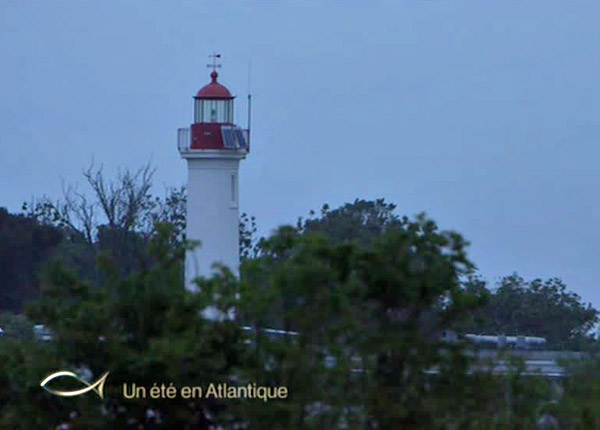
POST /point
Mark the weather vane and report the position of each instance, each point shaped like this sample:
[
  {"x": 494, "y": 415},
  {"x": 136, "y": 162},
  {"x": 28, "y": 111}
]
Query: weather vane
[{"x": 214, "y": 64}]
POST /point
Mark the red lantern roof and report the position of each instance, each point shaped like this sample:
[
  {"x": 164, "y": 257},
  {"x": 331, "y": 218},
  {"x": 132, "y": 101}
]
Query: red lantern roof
[{"x": 214, "y": 90}]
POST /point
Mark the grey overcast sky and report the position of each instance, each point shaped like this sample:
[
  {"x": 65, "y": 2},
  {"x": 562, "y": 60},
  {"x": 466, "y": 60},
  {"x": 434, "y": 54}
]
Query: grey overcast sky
[{"x": 483, "y": 114}]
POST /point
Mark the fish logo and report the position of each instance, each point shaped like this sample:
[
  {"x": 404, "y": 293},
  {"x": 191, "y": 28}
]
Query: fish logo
[{"x": 97, "y": 386}]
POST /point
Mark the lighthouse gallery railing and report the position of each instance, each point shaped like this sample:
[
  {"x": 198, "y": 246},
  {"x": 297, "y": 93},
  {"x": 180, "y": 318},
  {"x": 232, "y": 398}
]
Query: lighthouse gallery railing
[{"x": 184, "y": 139}]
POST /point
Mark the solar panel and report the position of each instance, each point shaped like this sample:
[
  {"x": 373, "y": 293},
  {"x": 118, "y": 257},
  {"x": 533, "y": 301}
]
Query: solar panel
[
  {"x": 228, "y": 137},
  {"x": 239, "y": 137},
  {"x": 234, "y": 137}
]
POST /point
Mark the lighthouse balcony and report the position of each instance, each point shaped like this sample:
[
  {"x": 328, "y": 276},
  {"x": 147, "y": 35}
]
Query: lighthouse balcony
[{"x": 203, "y": 137}]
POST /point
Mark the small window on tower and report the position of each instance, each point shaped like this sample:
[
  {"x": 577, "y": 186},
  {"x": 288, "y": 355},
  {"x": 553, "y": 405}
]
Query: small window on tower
[{"x": 233, "y": 191}]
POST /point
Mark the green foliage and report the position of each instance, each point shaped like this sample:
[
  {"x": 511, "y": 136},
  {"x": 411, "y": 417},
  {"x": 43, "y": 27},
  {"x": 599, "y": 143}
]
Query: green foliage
[
  {"x": 362, "y": 221},
  {"x": 478, "y": 400},
  {"x": 248, "y": 243},
  {"x": 303, "y": 281},
  {"x": 144, "y": 328},
  {"x": 23, "y": 405},
  {"x": 578, "y": 405},
  {"x": 25, "y": 246},
  {"x": 113, "y": 217},
  {"x": 375, "y": 312},
  {"x": 360, "y": 295},
  {"x": 16, "y": 326},
  {"x": 538, "y": 308}
]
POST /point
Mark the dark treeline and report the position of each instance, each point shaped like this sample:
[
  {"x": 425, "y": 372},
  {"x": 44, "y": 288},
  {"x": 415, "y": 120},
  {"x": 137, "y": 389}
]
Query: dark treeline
[
  {"x": 367, "y": 292},
  {"x": 25, "y": 247}
]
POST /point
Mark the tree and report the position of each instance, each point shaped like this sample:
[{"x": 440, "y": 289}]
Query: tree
[
  {"x": 114, "y": 217},
  {"x": 366, "y": 320},
  {"x": 117, "y": 218},
  {"x": 144, "y": 328},
  {"x": 358, "y": 347},
  {"x": 361, "y": 221},
  {"x": 25, "y": 245},
  {"x": 578, "y": 405},
  {"x": 16, "y": 326},
  {"x": 249, "y": 244},
  {"x": 537, "y": 308},
  {"x": 376, "y": 312}
]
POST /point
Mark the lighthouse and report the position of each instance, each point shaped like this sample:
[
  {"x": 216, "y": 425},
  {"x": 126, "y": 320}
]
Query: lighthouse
[{"x": 212, "y": 147}]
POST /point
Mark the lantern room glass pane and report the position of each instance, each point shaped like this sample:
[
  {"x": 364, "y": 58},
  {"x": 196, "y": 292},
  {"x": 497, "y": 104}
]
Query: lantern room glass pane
[{"x": 220, "y": 111}]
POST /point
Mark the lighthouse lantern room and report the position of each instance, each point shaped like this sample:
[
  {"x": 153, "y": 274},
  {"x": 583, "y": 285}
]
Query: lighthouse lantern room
[{"x": 213, "y": 147}]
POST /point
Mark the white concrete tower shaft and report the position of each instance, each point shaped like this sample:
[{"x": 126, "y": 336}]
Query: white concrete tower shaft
[{"x": 212, "y": 211}]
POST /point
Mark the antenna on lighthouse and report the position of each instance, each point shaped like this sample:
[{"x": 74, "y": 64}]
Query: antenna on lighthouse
[{"x": 249, "y": 100}]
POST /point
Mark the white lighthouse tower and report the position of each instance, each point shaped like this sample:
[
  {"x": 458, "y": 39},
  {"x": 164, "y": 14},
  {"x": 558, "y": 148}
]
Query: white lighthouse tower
[{"x": 213, "y": 147}]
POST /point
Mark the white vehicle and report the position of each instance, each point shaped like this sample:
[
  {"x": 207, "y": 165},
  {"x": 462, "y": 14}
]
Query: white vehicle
[
  {"x": 501, "y": 341},
  {"x": 41, "y": 333}
]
